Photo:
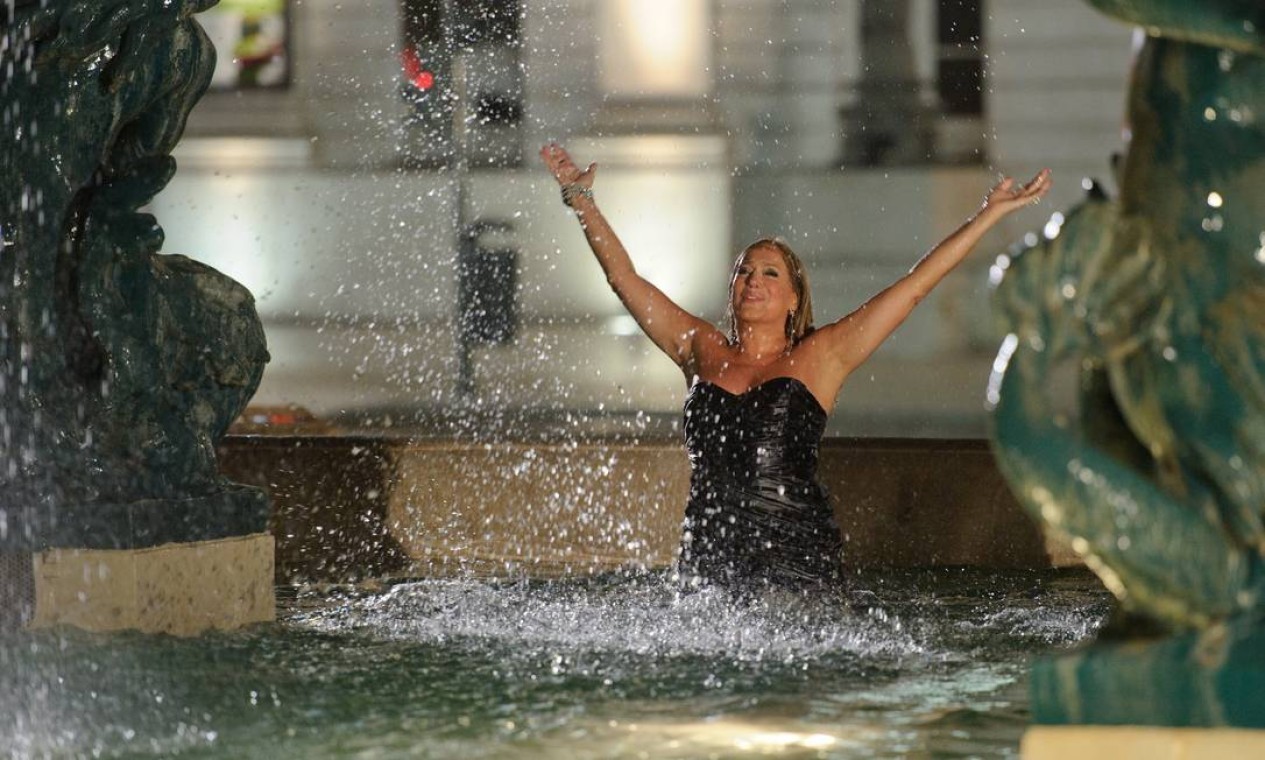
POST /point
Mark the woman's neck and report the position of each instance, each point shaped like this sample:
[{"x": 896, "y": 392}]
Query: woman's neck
[{"x": 762, "y": 345}]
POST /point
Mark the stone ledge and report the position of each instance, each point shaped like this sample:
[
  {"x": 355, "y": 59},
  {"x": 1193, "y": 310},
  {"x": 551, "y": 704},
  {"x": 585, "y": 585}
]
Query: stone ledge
[
  {"x": 352, "y": 507},
  {"x": 179, "y": 589},
  {"x": 1141, "y": 743}
]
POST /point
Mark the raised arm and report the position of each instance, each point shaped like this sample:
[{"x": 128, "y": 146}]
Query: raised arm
[
  {"x": 670, "y": 327},
  {"x": 849, "y": 342}
]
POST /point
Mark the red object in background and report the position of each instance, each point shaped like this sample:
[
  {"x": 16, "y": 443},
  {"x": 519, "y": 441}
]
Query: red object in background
[
  {"x": 285, "y": 419},
  {"x": 417, "y": 75}
]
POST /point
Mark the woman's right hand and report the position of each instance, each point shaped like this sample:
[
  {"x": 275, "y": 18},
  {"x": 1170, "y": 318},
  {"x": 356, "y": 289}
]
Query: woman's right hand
[
  {"x": 564, "y": 169},
  {"x": 1007, "y": 197}
]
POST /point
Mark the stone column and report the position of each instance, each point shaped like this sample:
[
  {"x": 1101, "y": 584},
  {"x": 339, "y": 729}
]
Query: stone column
[{"x": 889, "y": 122}]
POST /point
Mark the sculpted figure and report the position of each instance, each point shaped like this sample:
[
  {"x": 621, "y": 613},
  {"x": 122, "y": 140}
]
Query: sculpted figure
[
  {"x": 119, "y": 367},
  {"x": 1158, "y": 479}
]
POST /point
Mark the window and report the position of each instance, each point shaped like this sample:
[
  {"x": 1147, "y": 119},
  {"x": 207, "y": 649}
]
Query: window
[
  {"x": 460, "y": 60},
  {"x": 253, "y": 40},
  {"x": 960, "y": 69}
]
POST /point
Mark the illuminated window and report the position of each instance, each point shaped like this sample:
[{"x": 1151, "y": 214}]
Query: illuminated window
[
  {"x": 461, "y": 59},
  {"x": 253, "y": 42}
]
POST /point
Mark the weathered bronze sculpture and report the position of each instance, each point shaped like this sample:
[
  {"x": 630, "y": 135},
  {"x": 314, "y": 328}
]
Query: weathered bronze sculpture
[
  {"x": 119, "y": 367},
  {"x": 1158, "y": 479}
]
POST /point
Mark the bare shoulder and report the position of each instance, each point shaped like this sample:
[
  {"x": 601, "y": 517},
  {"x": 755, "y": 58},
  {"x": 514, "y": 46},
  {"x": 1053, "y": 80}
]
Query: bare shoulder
[
  {"x": 833, "y": 345},
  {"x": 812, "y": 362},
  {"x": 814, "y": 346},
  {"x": 710, "y": 338},
  {"x": 710, "y": 347},
  {"x": 826, "y": 336}
]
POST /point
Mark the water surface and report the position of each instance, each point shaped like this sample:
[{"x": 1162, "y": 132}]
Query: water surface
[{"x": 921, "y": 664}]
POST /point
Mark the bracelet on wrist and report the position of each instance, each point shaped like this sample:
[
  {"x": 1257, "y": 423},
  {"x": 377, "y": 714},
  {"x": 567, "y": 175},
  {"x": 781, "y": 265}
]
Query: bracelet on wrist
[{"x": 572, "y": 190}]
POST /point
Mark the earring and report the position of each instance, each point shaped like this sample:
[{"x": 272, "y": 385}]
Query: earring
[{"x": 790, "y": 325}]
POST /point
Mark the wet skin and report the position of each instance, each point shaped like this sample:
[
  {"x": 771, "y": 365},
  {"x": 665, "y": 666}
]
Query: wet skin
[{"x": 763, "y": 295}]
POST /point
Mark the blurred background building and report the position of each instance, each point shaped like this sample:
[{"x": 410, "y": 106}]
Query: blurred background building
[{"x": 368, "y": 169}]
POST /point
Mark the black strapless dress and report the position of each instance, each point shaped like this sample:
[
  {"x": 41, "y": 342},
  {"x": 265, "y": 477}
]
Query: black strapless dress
[{"x": 757, "y": 514}]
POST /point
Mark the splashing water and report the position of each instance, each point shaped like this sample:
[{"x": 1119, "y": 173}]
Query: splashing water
[
  {"x": 646, "y": 618},
  {"x": 909, "y": 663}
]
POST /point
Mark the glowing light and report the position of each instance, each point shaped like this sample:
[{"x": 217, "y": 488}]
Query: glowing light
[
  {"x": 993, "y": 395},
  {"x": 728, "y": 735},
  {"x": 998, "y": 270},
  {"x": 415, "y": 72},
  {"x": 783, "y": 740},
  {"x": 1053, "y": 226},
  {"x": 691, "y": 212},
  {"x": 1215, "y": 200},
  {"x": 644, "y": 54},
  {"x": 622, "y": 324}
]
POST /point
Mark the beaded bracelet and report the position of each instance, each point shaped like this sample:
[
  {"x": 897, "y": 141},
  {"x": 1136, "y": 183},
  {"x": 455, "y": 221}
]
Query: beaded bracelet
[{"x": 571, "y": 190}]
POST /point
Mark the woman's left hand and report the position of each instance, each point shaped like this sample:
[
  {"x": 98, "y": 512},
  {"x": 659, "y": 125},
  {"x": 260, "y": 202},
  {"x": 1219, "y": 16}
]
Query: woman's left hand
[{"x": 1007, "y": 196}]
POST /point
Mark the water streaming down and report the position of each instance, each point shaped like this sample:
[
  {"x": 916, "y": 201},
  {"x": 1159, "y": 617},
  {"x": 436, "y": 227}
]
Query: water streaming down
[{"x": 912, "y": 663}]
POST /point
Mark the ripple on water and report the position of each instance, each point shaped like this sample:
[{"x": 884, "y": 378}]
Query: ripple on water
[{"x": 929, "y": 664}]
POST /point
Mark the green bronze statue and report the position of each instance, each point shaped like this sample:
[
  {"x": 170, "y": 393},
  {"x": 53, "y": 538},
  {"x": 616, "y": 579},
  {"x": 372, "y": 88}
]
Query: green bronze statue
[
  {"x": 119, "y": 367},
  {"x": 1157, "y": 477}
]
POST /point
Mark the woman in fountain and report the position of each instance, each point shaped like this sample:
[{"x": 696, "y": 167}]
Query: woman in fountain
[{"x": 762, "y": 388}]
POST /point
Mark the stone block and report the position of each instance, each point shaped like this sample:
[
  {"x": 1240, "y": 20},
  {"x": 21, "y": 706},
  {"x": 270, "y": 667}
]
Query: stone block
[
  {"x": 541, "y": 510},
  {"x": 910, "y": 503},
  {"x": 178, "y": 589},
  {"x": 1141, "y": 743}
]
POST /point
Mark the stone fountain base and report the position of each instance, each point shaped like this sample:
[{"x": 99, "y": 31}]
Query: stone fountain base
[
  {"x": 352, "y": 507},
  {"x": 179, "y": 588},
  {"x": 175, "y": 566},
  {"x": 1141, "y": 743}
]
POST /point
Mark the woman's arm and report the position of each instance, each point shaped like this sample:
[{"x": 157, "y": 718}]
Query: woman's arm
[
  {"x": 850, "y": 341},
  {"x": 670, "y": 327}
]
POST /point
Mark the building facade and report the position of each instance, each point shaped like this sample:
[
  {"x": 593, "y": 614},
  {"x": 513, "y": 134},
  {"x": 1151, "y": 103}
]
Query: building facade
[{"x": 398, "y": 134}]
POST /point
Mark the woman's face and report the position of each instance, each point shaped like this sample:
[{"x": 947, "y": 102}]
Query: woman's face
[{"x": 762, "y": 287}]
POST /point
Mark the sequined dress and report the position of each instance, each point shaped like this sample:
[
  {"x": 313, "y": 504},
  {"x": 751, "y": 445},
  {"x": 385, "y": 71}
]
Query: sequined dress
[{"x": 756, "y": 513}]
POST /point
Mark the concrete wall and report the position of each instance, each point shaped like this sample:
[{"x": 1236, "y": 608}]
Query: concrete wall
[{"x": 301, "y": 196}]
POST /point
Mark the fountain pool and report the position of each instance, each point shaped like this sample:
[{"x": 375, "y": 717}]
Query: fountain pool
[{"x": 905, "y": 664}]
